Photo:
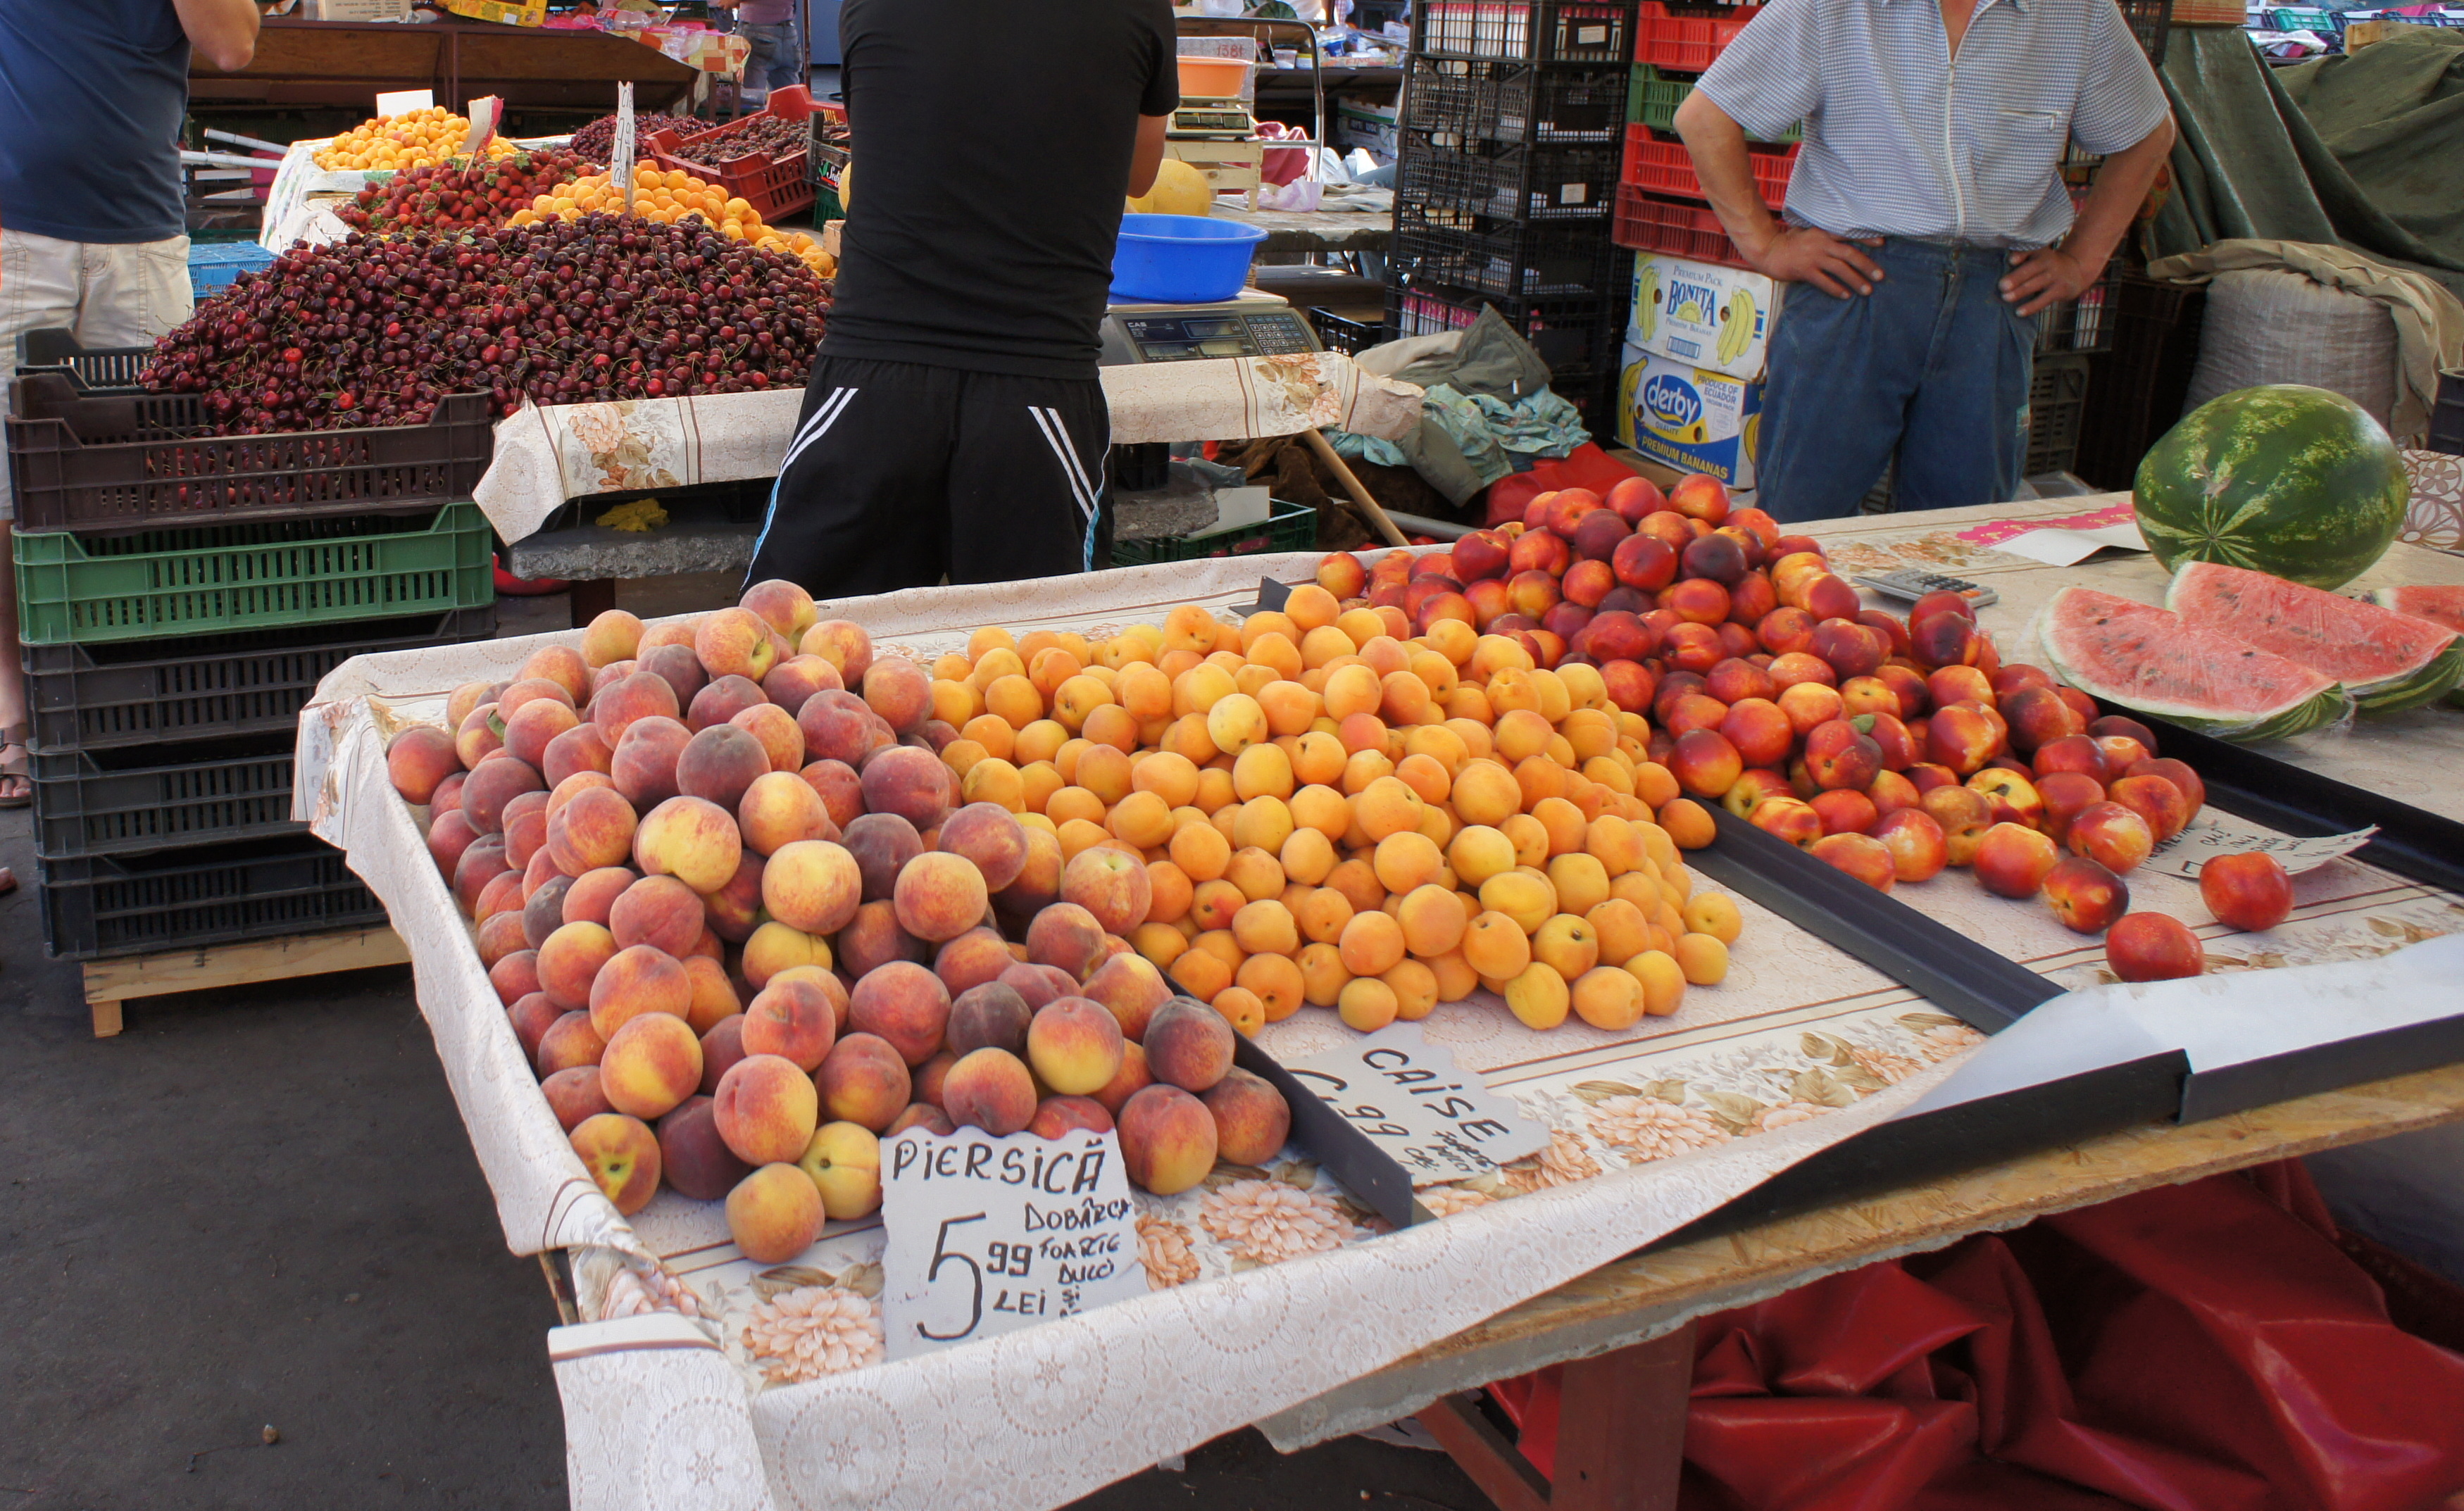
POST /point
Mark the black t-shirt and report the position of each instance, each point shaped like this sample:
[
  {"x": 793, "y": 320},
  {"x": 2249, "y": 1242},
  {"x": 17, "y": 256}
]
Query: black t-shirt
[{"x": 991, "y": 150}]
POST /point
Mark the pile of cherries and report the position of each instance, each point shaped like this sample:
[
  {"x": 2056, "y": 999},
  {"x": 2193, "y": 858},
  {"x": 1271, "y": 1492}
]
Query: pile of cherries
[
  {"x": 774, "y": 134},
  {"x": 596, "y": 142},
  {"x": 462, "y": 196},
  {"x": 374, "y": 331}
]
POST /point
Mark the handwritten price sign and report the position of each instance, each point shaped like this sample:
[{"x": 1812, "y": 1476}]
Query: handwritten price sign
[
  {"x": 1439, "y": 1123},
  {"x": 990, "y": 1235},
  {"x": 2215, "y": 832}
]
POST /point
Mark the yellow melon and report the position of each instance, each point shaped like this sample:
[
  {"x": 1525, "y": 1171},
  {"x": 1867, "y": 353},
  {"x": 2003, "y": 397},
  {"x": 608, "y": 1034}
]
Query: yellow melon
[{"x": 1179, "y": 189}]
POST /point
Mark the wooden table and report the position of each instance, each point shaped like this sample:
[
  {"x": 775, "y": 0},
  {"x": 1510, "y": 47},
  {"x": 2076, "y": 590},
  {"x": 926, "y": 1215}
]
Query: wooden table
[
  {"x": 1625, "y": 1331},
  {"x": 350, "y": 63}
]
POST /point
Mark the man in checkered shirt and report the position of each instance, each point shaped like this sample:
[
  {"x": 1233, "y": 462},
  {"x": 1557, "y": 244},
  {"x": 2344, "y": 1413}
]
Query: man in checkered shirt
[{"x": 1926, "y": 224}]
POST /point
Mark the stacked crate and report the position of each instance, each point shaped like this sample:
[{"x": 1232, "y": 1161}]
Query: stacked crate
[
  {"x": 1505, "y": 175},
  {"x": 179, "y": 597},
  {"x": 1660, "y": 204}
]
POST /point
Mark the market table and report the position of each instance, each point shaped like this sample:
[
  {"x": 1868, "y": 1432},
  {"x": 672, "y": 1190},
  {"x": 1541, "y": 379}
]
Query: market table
[
  {"x": 1317, "y": 229},
  {"x": 1337, "y": 1321}
]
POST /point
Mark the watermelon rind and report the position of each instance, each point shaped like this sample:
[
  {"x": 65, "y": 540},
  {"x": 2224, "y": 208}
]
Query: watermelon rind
[
  {"x": 2073, "y": 624},
  {"x": 2282, "y": 478},
  {"x": 2387, "y": 660}
]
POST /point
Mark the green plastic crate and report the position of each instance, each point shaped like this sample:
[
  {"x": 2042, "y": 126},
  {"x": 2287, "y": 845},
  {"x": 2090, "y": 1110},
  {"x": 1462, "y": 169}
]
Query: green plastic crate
[
  {"x": 1653, "y": 99},
  {"x": 177, "y": 582},
  {"x": 1286, "y": 527}
]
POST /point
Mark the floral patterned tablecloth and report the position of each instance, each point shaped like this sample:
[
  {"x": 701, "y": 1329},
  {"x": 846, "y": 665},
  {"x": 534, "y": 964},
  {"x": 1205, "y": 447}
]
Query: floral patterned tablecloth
[{"x": 699, "y": 1378}]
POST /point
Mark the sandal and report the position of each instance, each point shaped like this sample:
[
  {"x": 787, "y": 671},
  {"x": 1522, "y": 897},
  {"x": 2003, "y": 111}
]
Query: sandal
[{"x": 17, "y": 781}]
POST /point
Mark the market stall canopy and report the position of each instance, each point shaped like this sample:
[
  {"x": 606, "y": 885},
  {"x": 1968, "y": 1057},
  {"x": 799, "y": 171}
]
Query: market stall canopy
[{"x": 347, "y": 63}]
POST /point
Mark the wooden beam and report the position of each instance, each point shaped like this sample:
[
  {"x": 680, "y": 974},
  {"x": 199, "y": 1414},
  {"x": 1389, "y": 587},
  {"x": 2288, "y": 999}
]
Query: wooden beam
[
  {"x": 1497, "y": 1466},
  {"x": 1621, "y": 1426},
  {"x": 1369, "y": 506},
  {"x": 108, "y": 983}
]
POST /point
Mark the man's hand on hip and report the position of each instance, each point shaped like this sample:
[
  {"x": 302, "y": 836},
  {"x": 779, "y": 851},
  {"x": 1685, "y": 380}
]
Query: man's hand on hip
[
  {"x": 2042, "y": 274},
  {"x": 1804, "y": 255}
]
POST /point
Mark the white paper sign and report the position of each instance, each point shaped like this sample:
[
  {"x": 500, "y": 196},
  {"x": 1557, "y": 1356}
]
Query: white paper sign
[
  {"x": 2069, "y": 547},
  {"x": 2213, "y": 833},
  {"x": 483, "y": 113},
  {"x": 1438, "y": 1122},
  {"x": 620, "y": 164},
  {"x": 987, "y": 1236},
  {"x": 402, "y": 102}
]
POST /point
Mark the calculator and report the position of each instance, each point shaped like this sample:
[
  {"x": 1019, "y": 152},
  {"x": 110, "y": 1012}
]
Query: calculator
[{"x": 1910, "y": 585}]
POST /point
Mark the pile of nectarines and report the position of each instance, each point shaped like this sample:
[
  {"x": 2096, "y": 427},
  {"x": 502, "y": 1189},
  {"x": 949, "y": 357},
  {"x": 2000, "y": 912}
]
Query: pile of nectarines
[
  {"x": 1315, "y": 807},
  {"x": 724, "y": 885}
]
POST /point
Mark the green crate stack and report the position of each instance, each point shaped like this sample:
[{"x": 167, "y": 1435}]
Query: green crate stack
[{"x": 166, "y": 664}]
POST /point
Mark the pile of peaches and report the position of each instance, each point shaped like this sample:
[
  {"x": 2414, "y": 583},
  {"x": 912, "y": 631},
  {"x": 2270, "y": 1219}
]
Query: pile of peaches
[
  {"x": 745, "y": 927},
  {"x": 1887, "y": 747}
]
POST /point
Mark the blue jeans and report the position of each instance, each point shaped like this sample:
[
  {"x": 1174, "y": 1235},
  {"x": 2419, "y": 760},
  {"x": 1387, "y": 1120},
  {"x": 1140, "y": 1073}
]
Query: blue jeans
[
  {"x": 1932, "y": 365},
  {"x": 776, "y": 59}
]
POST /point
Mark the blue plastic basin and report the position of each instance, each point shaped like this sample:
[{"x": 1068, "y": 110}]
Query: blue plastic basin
[{"x": 1182, "y": 259}]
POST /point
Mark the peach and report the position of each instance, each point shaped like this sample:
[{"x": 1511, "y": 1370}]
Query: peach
[
  {"x": 1188, "y": 1044},
  {"x": 910, "y": 782},
  {"x": 1838, "y": 754},
  {"x": 990, "y": 1089},
  {"x": 2111, "y": 835},
  {"x": 1056, "y": 1116},
  {"x": 448, "y": 835},
  {"x": 904, "y": 1005},
  {"x": 793, "y": 1018},
  {"x": 720, "y": 764},
  {"x": 613, "y": 635},
  {"x": 487, "y": 791},
  {"x": 1961, "y": 738},
  {"x": 720, "y": 700},
  {"x": 2118, "y": 725},
  {"x": 651, "y": 1065},
  {"x": 882, "y": 844},
  {"x": 919, "y": 1115},
  {"x": 570, "y": 960},
  {"x": 798, "y": 678},
  {"x": 776, "y": 947},
  {"x": 1039, "y": 984},
  {"x": 734, "y": 642},
  {"x": 766, "y": 1108},
  {"x": 775, "y": 1212},
  {"x": 2012, "y": 860},
  {"x": 927, "y": 1077},
  {"x": 841, "y": 790},
  {"x": 674, "y": 663},
  {"x": 713, "y": 994},
  {"x": 1963, "y": 815},
  {"x": 2122, "y": 752},
  {"x": 993, "y": 1016},
  {"x": 865, "y": 1081},
  {"x": 938, "y": 896},
  {"x": 545, "y": 913},
  {"x": 2065, "y": 794},
  {"x": 899, "y": 690},
  {"x": 481, "y": 862},
  {"x": 2085, "y": 896},
  {"x": 782, "y": 606},
  {"x": 843, "y": 644},
  {"x": 873, "y": 939},
  {"x": 2152, "y": 946},
  {"x": 622, "y": 1156},
  {"x": 1919, "y": 849},
  {"x": 629, "y": 699},
  {"x": 1067, "y": 937},
  {"x": 1132, "y": 989},
  {"x": 1252, "y": 1120},
  {"x": 693, "y": 1158},
  {"x": 478, "y": 735},
  {"x": 418, "y": 758},
  {"x": 780, "y": 808},
  {"x": 722, "y": 1045},
  {"x": 836, "y": 726},
  {"x": 2184, "y": 780},
  {"x": 531, "y": 1017},
  {"x": 2015, "y": 799},
  {"x": 1110, "y": 886},
  {"x": 734, "y": 911},
  {"x": 569, "y": 1042},
  {"x": 1168, "y": 1139},
  {"x": 1132, "y": 1077},
  {"x": 988, "y": 836},
  {"x": 1075, "y": 1046},
  {"x": 644, "y": 765},
  {"x": 657, "y": 910},
  {"x": 1704, "y": 763},
  {"x": 2072, "y": 752},
  {"x": 1861, "y": 855},
  {"x": 1845, "y": 812},
  {"x": 2154, "y": 799},
  {"x": 573, "y": 1095},
  {"x": 691, "y": 838},
  {"x": 844, "y": 1163},
  {"x": 2249, "y": 891},
  {"x": 634, "y": 981}
]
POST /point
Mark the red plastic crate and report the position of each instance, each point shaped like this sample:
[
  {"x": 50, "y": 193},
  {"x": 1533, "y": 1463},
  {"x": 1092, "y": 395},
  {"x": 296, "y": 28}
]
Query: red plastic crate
[
  {"x": 1664, "y": 166},
  {"x": 1681, "y": 231},
  {"x": 1684, "y": 42},
  {"x": 774, "y": 187}
]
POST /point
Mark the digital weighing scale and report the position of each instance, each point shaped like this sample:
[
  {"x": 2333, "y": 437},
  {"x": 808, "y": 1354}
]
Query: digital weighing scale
[{"x": 1255, "y": 324}]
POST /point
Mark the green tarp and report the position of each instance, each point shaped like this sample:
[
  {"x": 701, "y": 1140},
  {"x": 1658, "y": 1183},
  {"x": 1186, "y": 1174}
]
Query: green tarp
[{"x": 2364, "y": 151}]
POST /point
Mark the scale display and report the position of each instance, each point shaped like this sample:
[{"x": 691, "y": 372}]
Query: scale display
[{"x": 1192, "y": 335}]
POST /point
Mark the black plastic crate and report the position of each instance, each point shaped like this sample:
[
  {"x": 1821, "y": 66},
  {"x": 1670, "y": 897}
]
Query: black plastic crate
[
  {"x": 1567, "y": 334},
  {"x": 1464, "y": 189},
  {"x": 2084, "y": 324},
  {"x": 95, "y": 906},
  {"x": 155, "y": 797},
  {"x": 1351, "y": 338},
  {"x": 139, "y": 693},
  {"x": 1547, "y": 260},
  {"x": 2057, "y": 407},
  {"x": 2151, "y": 22},
  {"x": 2137, "y": 387},
  {"x": 99, "y": 372},
  {"x": 1459, "y": 102},
  {"x": 1535, "y": 31}
]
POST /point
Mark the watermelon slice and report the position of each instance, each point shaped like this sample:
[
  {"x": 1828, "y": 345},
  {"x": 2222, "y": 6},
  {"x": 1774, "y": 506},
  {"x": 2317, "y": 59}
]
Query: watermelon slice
[
  {"x": 2385, "y": 660},
  {"x": 2147, "y": 658},
  {"x": 2440, "y": 606}
]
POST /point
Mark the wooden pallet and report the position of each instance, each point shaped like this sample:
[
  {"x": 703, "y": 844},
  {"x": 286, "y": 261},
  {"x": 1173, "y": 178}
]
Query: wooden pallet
[{"x": 108, "y": 983}]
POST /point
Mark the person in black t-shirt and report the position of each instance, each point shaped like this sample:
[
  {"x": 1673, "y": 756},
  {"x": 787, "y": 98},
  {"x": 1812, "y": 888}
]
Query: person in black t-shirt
[{"x": 954, "y": 425}]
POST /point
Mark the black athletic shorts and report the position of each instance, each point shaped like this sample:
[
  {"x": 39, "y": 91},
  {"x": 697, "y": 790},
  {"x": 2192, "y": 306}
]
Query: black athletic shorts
[{"x": 902, "y": 474}]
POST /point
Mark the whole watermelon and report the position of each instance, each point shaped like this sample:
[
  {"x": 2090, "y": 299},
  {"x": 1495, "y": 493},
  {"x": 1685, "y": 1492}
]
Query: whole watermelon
[{"x": 2283, "y": 478}]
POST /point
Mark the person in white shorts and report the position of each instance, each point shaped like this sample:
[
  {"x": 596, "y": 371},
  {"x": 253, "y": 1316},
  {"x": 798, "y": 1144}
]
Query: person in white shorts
[{"x": 92, "y": 231}]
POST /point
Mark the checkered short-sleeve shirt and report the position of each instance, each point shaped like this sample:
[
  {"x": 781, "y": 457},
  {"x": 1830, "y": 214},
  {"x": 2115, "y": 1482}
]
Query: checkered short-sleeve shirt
[{"x": 1901, "y": 139}]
